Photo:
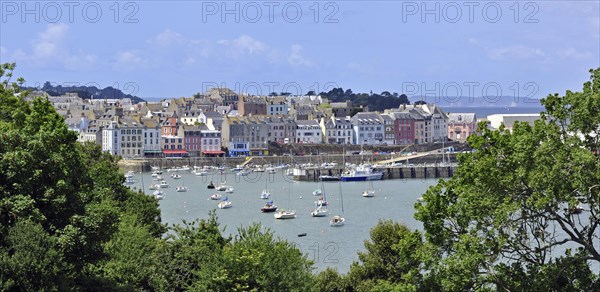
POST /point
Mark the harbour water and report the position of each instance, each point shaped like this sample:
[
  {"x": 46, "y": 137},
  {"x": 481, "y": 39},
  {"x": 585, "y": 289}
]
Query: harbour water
[{"x": 327, "y": 246}]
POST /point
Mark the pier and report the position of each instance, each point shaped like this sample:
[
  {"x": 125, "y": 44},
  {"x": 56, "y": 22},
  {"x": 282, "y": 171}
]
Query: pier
[{"x": 389, "y": 172}]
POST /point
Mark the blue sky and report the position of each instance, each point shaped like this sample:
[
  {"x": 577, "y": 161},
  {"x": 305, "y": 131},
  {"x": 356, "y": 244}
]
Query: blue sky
[{"x": 157, "y": 49}]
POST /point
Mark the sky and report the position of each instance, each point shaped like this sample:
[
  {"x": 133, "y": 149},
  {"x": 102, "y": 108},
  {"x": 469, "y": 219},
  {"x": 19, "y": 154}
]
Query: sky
[{"x": 163, "y": 49}]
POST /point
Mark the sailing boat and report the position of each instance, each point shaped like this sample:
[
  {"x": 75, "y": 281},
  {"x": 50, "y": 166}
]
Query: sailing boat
[
  {"x": 265, "y": 193},
  {"x": 283, "y": 213},
  {"x": 321, "y": 210},
  {"x": 370, "y": 192},
  {"x": 182, "y": 188},
  {"x": 338, "y": 220}
]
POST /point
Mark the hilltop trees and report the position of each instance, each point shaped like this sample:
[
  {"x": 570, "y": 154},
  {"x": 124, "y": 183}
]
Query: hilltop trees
[{"x": 375, "y": 102}]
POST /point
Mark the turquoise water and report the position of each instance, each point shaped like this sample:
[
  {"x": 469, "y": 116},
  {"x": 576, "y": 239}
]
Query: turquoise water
[{"x": 327, "y": 246}]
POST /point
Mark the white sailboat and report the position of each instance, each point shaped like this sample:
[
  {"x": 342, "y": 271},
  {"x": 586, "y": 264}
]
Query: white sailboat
[
  {"x": 321, "y": 210},
  {"x": 182, "y": 188},
  {"x": 286, "y": 213},
  {"x": 369, "y": 192},
  {"x": 265, "y": 194},
  {"x": 338, "y": 220}
]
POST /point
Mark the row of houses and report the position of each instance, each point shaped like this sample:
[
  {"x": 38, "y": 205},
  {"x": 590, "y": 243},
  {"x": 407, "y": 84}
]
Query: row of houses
[{"x": 223, "y": 123}]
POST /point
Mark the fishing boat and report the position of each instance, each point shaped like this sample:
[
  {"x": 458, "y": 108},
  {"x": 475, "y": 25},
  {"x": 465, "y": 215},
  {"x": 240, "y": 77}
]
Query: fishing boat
[
  {"x": 216, "y": 196},
  {"x": 225, "y": 204},
  {"x": 268, "y": 207},
  {"x": 361, "y": 173}
]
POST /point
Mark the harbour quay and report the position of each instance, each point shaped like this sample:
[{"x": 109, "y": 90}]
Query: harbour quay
[{"x": 411, "y": 171}]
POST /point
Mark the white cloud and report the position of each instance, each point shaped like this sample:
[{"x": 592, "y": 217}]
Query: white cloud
[
  {"x": 167, "y": 38},
  {"x": 129, "y": 58},
  {"x": 249, "y": 45},
  {"x": 572, "y": 53},
  {"x": 241, "y": 46},
  {"x": 519, "y": 52},
  {"x": 49, "y": 42},
  {"x": 297, "y": 59}
]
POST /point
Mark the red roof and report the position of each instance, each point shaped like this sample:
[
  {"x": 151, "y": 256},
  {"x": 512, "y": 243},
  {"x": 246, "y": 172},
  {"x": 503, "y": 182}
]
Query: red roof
[{"x": 174, "y": 151}]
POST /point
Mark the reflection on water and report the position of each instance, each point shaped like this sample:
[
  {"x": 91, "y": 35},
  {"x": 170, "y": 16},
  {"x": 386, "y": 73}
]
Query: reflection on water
[{"x": 327, "y": 246}]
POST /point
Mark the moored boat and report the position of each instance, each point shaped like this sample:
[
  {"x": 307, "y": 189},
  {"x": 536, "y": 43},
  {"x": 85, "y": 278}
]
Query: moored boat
[
  {"x": 268, "y": 207},
  {"x": 361, "y": 173}
]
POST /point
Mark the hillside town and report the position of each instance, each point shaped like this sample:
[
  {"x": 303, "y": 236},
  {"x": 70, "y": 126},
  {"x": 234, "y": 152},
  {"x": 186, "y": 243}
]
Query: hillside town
[{"x": 224, "y": 123}]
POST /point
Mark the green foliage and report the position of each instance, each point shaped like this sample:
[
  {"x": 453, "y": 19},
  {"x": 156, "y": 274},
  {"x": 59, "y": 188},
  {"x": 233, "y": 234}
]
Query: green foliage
[
  {"x": 256, "y": 261},
  {"x": 330, "y": 280},
  {"x": 375, "y": 102},
  {"x": 70, "y": 195},
  {"x": 513, "y": 200},
  {"x": 30, "y": 260}
]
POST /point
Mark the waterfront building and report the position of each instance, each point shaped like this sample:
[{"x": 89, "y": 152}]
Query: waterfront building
[
  {"x": 461, "y": 126},
  {"x": 308, "y": 132},
  {"x": 368, "y": 128},
  {"x": 336, "y": 130}
]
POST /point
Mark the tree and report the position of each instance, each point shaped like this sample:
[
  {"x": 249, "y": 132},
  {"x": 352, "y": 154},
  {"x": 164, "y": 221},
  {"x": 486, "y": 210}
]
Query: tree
[
  {"x": 31, "y": 260},
  {"x": 257, "y": 261},
  {"x": 59, "y": 195},
  {"x": 524, "y": 203},
  {"x": 392, "y": 256}
]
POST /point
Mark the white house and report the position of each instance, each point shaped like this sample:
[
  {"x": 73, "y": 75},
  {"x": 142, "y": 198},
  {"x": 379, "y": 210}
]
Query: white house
[
  {"x": 111, "y": 139},
  {"x": 368, "y": 128},
  {"x": 308, "y": 132}
]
